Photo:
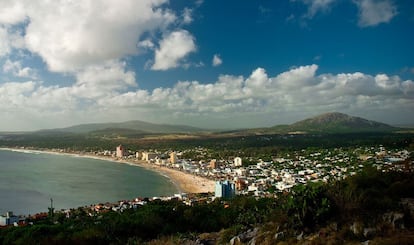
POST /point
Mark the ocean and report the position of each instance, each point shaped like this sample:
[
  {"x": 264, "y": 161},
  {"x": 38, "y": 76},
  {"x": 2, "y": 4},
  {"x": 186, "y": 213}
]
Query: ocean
[{"x": 29, "y": 180}]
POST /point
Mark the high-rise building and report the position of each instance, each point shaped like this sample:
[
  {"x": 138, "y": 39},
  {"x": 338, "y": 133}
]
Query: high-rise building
[
  {"x": 173, "y": 157},
  {"x": 225, "y": 189},
  {"x": 120, "y": 151}
]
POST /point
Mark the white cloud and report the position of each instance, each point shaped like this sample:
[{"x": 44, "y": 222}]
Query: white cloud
[
  {"x": 96, "y": 81},
  {"x": 68, "y": 35},
  {"x": 146, "y": 44},
  {"x": 12, "y": 12},
  {"x": 231, "y": 101},
  {"x": 291, "y": 94},
  {"x": 4, "y": 43},
  {"x": 9, "y": 39},
  {"x": 173, "y": 48},
  {"x": 217, "y": 60},
  {"x": 14, "y": 89},
  {"x": 187, "y": 16},
  {"x": 374, "y": 12},
  {"x": 15, "y": 68},
  {"x": 315, "y": 6}
]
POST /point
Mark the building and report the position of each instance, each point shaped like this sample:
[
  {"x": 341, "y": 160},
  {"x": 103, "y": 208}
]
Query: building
[
  {"x": 213, "y": 164},
  {"x": 241, "y": 184},
  {"x": 238, "y": 162},
  {"x": 9, "y": 219},
  {"x": 121, "y": 151},
  {"x": 225, "y": 189},
  {"x": 173, "y": 157},
  {"x": 148, "y": 156}
]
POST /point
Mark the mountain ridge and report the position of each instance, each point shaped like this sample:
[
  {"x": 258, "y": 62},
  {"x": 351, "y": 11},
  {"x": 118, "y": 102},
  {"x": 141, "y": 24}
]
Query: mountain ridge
[
  {"x": 133, "y": 125},
  {"x": 332, "y": 122},
  {"x": 335, "y": 122}
]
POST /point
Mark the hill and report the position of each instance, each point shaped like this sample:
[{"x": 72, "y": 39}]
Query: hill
[
  {"x": 338, "y": 123},
  {"x": 328, "y": 123},
  {"x": 129, "y": 126}
]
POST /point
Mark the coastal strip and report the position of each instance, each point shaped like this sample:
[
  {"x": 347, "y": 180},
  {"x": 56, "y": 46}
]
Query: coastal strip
[{"x": 185, "y": 182}]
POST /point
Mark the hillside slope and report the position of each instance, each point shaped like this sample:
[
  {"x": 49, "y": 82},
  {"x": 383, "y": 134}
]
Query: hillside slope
[
  {"x": 339, "y": 123},
  {"x": 138, "y": 126}
]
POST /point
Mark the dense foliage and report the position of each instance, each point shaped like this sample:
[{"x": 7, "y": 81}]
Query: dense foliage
[
  {"x": 364, "y": 197},
  {"x": 244, "y": 146}
]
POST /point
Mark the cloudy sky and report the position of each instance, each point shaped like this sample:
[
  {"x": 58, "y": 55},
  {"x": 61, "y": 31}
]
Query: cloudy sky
[{"x": 211, "y": 64}]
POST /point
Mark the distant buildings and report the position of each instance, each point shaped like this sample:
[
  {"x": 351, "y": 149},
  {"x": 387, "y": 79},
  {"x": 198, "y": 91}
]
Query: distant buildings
[
  {"x": 121, "y": 151},
  {"x": 148, "y": 156},
  {"x": 225, "y": 189},
  {"x": 9, "y": 219}
]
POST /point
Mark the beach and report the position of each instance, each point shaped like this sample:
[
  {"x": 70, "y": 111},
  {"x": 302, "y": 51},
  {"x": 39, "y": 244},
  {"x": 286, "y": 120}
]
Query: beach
[{"x": 185, "y": 182}]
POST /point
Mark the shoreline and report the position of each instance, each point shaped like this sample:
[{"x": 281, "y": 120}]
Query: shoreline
[{"x": 184, "y": 182}]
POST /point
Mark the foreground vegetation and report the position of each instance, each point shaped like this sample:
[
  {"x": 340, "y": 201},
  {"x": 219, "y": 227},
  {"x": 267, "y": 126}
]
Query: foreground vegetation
[{"x": 351, "y": 210}]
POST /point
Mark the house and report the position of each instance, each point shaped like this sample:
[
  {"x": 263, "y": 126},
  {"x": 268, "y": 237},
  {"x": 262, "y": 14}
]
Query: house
[
  {"x": 8, "y": 219},
  {"x": 237, "y": 162}
]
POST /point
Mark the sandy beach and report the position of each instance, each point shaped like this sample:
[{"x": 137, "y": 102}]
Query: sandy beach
[{"x": 185, "y": 182}]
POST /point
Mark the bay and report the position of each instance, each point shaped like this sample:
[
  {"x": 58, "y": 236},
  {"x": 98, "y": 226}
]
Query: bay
[{"x": 29, "y": 180}]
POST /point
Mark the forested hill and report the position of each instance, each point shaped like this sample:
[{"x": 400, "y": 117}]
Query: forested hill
[
  {"x": 136, "y": 125},
  {"x": 328, "y": 123},
  {"x": 339, "y": 123}
]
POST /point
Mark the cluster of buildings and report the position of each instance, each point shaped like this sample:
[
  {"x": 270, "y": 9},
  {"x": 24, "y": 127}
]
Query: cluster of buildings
[
  {"x": 267, "y": 178},
  {"x": 9, "y": 219},
  {"x": 260, "y": 179}
]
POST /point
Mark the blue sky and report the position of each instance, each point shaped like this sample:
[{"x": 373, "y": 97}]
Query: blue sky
[{"x": 212, "y": 64}]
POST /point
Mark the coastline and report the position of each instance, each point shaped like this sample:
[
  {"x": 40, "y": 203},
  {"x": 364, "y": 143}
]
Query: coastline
[{"x": 184, "y": 182}]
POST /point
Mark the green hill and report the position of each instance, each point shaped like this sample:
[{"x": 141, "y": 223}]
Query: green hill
[
  {"x": 337, "y": 123},
  {"x": 131, "y": 126},
  {"x": 328, "y": 123}
]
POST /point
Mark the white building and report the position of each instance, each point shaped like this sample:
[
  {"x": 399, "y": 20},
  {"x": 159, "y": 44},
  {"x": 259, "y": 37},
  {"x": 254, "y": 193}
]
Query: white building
[
  {"x": 148, "y": 156},
  {"x": 9, "y": 219},
  {"x": 237, "y": 162}
]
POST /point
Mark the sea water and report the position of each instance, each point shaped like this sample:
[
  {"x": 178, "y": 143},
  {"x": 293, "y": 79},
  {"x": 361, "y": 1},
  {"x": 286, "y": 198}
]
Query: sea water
[{"x": 29, "y": 180}]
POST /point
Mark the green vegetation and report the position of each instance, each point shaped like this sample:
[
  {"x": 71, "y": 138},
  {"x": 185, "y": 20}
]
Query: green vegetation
[
  {"x": 260, "y": 146},
  {"x": 339, "y": 123},
  {"x": 136, "y": 125},
  {"x": 309, "y": 209},
  {"x": 328, "y": 123}
]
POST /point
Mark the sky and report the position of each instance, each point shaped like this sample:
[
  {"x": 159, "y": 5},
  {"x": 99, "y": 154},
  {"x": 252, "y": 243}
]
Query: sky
[{"x": 209, "y": 64}]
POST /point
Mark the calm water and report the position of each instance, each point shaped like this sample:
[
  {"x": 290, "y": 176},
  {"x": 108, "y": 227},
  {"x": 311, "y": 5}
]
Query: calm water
[{"x": 28, "y": 181}]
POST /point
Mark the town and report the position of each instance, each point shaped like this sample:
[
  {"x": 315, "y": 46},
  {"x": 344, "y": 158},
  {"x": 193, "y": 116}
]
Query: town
[
  {"x": 238, "y": 176},
  {"x": 268, "y": 178}
]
